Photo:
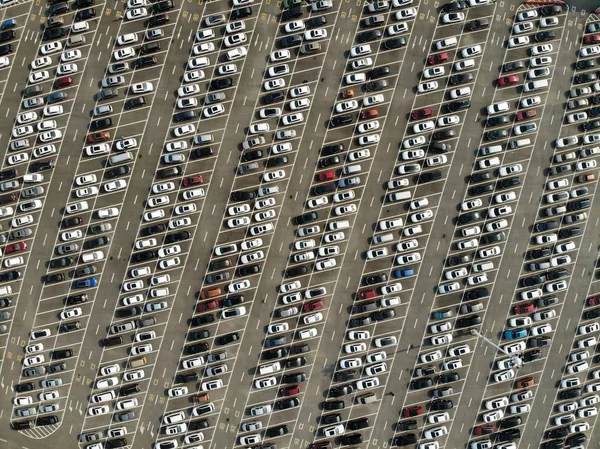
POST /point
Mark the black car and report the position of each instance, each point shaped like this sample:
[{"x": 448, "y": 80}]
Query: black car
[
  {"x": 578, "y": 205},
  {"x": 375, "y": 279},
  {"x": 532, "y": 356},
  {"x": 448, "y": 378},
  {"x": 46, "y": 420},
  {"x": 333, "y": 405},
  {"x": 290, "y": 41},
  {"x": 332, "y": 418},
  {"x": 135, "y": 102},
  {"x": 498, "y": 120},
  {"x": 41, "y": 166},
  {"x": 58, "y": 8},
  {"x": 233, "y": 300},
  {"x": 332, "y": 149},
  {"x": 345, "y": 376},
  {"x": 344, "y": 390},
  {"x": 228, "y": 338},
  {"x": 369, "y": 36},
  {"x": 461, "y": 78},
  {"x": 357, "y": 424},
  {"x": 276, "y": 161},
  {"x": 240, "y": 195},
  {"x": 198, "y": 335},
  {"x": 556, "y": 274},
  {"x": 300, "y": 349},
  {"x": 69, "y": 327},
  {"x": 570, "y": 394},
  {"x": 477, "y": 24},
  {"x": 53, "y": 33},
  {"x": 253, "y": 155},
  {"x": 591, "y": 314},
  {"x": 469, "y": 321},
  {"x": 22, "y": 425},
  {"x": 411, "y": 424},
  {"x": 197, "y": 425},
  {"x": 287, "y": 403},
  {"x": 378, "y": 72},
  {"x": 202, "y": 319},
  {"x": 5, "y": 302},
  {"x": 458, "y": 260},
  {"x": 377, "y": 85},
  {"x": 154, "y": 229},
  {"x": 52, "y": 278},
  {"x": 163, "y": 6},
  {"x": 455, "y": 5},
  {"x": 477, "y": 293},
  {"x": 439, "y": 147},
  {"x": 58, "y": 354},
  {"x": 353, "y": 438},
  {"x": 296, "y": 271},
  {"x": 131, "y": 389},
  {"x": 325, "y": 188},
  {"x": 117, "y": 171},
  {"x": 551, "y": 10},
  {"x": 277, "y": 431},
  {"x": 560, "y": 432},
  {"x": 510, "y": 422},
  {"x": 248, "y": 270},
  {"x": 340, "y": 120},
  {"x": 221, "y": 83},
  {"x": 196, "y": 348},
  {"x": 382, "y": 315},
  {"x": 543, "y": 36},
  {"x": 293, "y": 378},
  {"x": 441, "y": 404},
  {"x": 590, "y": 126},
  {"x": 482, "y": 188},
  {"x": 509, "y": 182},
  {"x": 85, "y": 14},
  {"x": 61, "y": 262},
  {"x": 201, "y": 152},
  {"x": 481, "y": 176},
  {"x": 144, "y": 256},
  {"x": 424, "y": 382},
  {"x": 22, "y": 388},
  {"x": 146, "y": 61},
  {"x": 316, "y": 21},
  {"x": 532, "y": 281},
  {"x": 405, "y": 440},
  {"x": 513, "y": 66},
  {"x": 158, "y": 19},
  {"x": 468, "y": 218},
  {"x": 84, "y": 3},
  {"x": 536, "y": 342},
  {"x": 392, "y": 44},
  {"x": 585, "y": 78},
  {"x": 96, "y": 242},
  {"x": 545, "y": 226},
  {"x": 454, "y": 107},
  {"x": 273, "y": 97},
  {"x": 75, "y": 299},
  {"x": 291, "y": 13},
  {"x": 306, "y": 218},
  {"x": 497, "y": 134},
  {"x": 538, "y": 253},
  {"x": 295, "y": 362},
  {"x": 11, "y": 173},
  {"x": 585, "y": 64},
  {"x": 429, "y": 176},
  {"x": 576, "y": 440},
  {"x": 508, "y": 435},
  {"x": 10, "y": 275}
]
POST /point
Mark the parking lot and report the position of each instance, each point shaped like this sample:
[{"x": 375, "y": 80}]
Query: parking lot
[{"x": 239, "y": 248}]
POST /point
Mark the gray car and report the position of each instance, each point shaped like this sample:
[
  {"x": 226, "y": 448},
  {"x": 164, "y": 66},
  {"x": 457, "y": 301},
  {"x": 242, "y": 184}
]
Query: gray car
[
  {"x": 32, "y": 191},
  {"x": 26, "y": 412},
  {"x": 244, "y": 168},
  {"x": 126, "y": 416},
  {"x": 215, "y": 97},
  {"x": 20, "y": 234},
  {"x": 67, "y": 249},
  {"x": 48, "y": 408},
  {"x": 48, "y": 383}
]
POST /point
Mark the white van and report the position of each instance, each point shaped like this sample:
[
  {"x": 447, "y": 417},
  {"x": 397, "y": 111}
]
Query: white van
[
  {"x": 483, "y": 266},
  {"x": 120, "y": 158},
  {"x": 536, "y": 85},
  {"x": 203, "y": 139},
  {"x": 519, "y": 143},
  {"x": 269, "y": 368},
  {"x": 80, "y": 27},
  {"x": 6, "y": 290},
  {"x": 384, "y": 238},
  {"x": 492, "y": 149},
  {"x": 399, "y": 196},
  {"x": 351, "y": 169},
  {"x": 444, "y": 44},
  {"x": 338, "y": 225}
]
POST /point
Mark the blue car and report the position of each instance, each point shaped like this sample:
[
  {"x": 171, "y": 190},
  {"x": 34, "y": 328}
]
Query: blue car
[
  {"x": 86, "y": 283},
  {"x": 8, "y": 24},
  {"x": 404, "y": 273},
  {"x": 514, "y": 334}
]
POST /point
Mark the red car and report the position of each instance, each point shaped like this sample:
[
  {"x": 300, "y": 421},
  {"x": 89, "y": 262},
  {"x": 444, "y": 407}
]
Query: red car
[
  {"x": 438, "y": 59},
  {"x": 524, "y": 308},
  {"x": 65, "y": 81},
  {"x": 369, "y": 113},
  {"x": 594, "y": 301},
  {"x": 204, "y": 306},
  {"x": 292, "y": 390},
  {"x": 315, "y": 305},
  {"x": 367, "y": 294},
  {"x": 526, "y": 115},
  {"x": 508, "y": 80},
  {"x": 326, "y": 175},
  {"x": 592, "y": 39},
  {"x": 412, "y": 411},
  {"x": 15, "y": 247},
  {"x": 421, "y": 113},
  {"x": 485, "y": 429},
  {"x": 192, "y": 180}
]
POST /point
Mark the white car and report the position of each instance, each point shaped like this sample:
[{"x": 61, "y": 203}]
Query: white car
[
  {"x": 542, "y": 49},
  {"x": 518, "y": 41},
  {"x": 123, "y": 53},
  {"x": 51, "y": 47},
  {"x": 136, "y": 13},
  {"x": 38, "y": 77}
]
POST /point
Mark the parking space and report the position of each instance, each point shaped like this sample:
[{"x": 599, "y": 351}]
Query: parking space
[{"x": 278, "y": 179}]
